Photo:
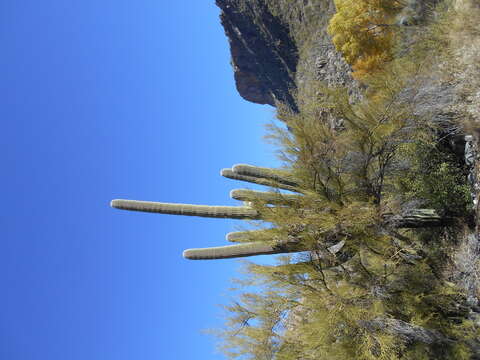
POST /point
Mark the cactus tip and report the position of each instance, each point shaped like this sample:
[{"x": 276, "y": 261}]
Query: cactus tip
[
  {"x": 232, "y": 193},
  {"x": 225, "y": 171},
  {"x": 114, "y": 203},
  {"x": 187, "y": 254},
  {"x": 229, "y": 236}
]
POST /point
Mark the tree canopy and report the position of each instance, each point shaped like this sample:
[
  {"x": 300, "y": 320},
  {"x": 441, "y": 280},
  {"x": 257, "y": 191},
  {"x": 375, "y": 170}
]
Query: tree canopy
[{"x": 362, "y": 30}]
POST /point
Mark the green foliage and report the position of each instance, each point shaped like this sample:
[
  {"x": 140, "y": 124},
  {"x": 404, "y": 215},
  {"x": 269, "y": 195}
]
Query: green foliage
[
  {"x": 344, "y": 303},
  {"x": 437, "y": 178}
]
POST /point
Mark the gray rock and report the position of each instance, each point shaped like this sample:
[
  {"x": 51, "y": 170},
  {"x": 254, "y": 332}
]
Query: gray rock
[{"x": 264, "y": 55}]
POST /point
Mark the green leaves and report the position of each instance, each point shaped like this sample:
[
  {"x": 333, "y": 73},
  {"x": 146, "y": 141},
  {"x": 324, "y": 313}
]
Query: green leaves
[{"x": 437, "y": 178}]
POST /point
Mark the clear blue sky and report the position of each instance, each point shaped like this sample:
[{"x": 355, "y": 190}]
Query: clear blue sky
[{"x": 115, "y": 99}]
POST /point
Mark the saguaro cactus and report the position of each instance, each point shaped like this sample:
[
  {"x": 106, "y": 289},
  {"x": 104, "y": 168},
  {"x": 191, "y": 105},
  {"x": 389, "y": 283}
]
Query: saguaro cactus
[
  {"x": 262, "y": 242},
  {"x": 250, "y": 235},
  {"x": 265, "y": 173},
  {"x": 418, "y": 218},
  {"x": 231, "y": 212},
  {"x": 240, "y": 250},
  {"x": 230, "y": 174},
  {"x": 269, "y": 197}
]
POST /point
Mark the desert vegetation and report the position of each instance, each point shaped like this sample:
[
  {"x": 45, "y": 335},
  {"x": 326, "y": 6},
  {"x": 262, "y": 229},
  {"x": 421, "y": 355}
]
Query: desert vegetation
[{"x": 366, "y": 289}]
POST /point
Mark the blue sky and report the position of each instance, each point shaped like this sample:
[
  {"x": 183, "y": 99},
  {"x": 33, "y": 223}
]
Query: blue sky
[{"x": 115, "y": 99}]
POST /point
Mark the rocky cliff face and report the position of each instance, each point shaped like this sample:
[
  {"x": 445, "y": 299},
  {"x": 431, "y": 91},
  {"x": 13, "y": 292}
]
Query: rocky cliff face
[
  {"x": 264, "y": 55},
  {"x": 276, "y": 46}
]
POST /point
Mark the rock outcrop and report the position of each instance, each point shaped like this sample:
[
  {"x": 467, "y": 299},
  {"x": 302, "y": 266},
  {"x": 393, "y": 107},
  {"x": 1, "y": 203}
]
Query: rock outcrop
[
  {"x": 264, "y": 55},
  {"x": 276, "y": 46}
]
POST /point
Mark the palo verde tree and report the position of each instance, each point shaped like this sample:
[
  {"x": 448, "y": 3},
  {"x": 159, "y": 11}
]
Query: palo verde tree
[{"x": 366, "y": 289}]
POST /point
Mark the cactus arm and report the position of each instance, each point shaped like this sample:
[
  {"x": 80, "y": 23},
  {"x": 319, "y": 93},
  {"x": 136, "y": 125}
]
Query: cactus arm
[
  {"x": 415, "y": 219},
  {"x": 239, "y": 250},
  {"x": 243, "y": 250},
  {"x": 418, "y": 218},
  {"x": 251, "y": 235},
  {"x": 232, "y": 212},
  {"x": 228, "y": 173},
  {"x": 268, "y": 197},
  {"x": 240, "y": 236},
  {"x": 264, "y": 173}
]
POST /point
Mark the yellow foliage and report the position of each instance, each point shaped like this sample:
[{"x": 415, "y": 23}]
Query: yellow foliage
[{"x": 362, "y": 32}]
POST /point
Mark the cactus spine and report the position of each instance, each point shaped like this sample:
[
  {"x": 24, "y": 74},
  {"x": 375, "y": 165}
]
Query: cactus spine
[{"x": 232, "y": 212}]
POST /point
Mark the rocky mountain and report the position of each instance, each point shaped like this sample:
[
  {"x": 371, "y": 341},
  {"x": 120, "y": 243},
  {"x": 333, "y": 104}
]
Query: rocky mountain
[
  {"x": 264, "y": 54},
  {"x": 277, "y": 45}
]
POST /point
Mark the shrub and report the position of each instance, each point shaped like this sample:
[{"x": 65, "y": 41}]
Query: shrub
[{"x": 362, "y": 30}]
